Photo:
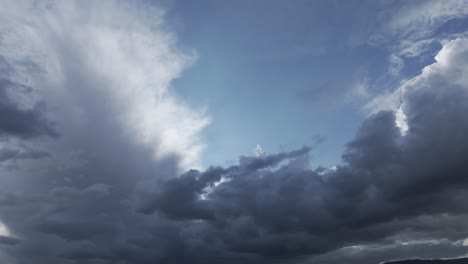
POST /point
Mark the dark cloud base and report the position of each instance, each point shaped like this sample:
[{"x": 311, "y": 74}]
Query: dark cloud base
[
  {"x": 431, "y": 261},
  {"x": 272, "y": 208}
]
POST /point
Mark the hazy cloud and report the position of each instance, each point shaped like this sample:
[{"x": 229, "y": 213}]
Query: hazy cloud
[{"x": 15, "y": 120}]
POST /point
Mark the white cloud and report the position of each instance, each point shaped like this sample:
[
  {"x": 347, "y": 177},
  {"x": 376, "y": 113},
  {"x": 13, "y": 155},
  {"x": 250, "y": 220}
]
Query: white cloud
[
  {"x": 104, "y": 68},
  {"x": 465, "y": 243},
  {"x": 410, "y": 32},
  {"x": 400, "y": 119},
  {"x": 411, "y": 29},
  {"x": 417, "y": 21},
  {"x": 449, "y": 69},
  {"x": 258, "y": 151},
  {"x": 396, "y": 65},
  {"x": 4, "y": 231},
  {"x": 384, "y": 101},
  {"x": 411, "y": 49}
]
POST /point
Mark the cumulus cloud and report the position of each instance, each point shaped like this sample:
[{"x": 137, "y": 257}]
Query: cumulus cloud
[
  {"x": 390, "y": 187},
  {"x": 108, "y": 64},
  {"x": 88, "y": 121},
  {"x": 414, "y": 31}
]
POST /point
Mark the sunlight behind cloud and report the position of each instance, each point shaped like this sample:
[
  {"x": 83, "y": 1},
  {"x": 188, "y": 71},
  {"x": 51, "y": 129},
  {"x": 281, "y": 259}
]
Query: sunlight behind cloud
[
  {"x": 4, "y": 231},
  {"x": 116, "y": 66}
]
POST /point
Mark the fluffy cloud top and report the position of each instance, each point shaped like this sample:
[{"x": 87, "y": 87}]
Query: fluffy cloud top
[{"x": 95, "y": 65}]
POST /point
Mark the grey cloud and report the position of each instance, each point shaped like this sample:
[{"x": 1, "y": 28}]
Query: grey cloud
[
  {"x": 7, "y": 154},
  {"x": 269, "y": 209},
  {"x": 430, "y": 261},
  {"x": 378, "y": 252},
  {"x": 385, "y": 187},
  {"x": 78, "y": 204},
  {"x": 7, "y": 240},
  {"x": 75, "y": 229},
  {"x": 186, "y": 189},
  {"x": 14, "y": 121}
]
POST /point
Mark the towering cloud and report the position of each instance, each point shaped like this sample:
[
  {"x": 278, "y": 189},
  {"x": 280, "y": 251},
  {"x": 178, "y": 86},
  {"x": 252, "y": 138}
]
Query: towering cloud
[
  {"x": 87, "y": 121},
  {"x": 95, "y": 65}
]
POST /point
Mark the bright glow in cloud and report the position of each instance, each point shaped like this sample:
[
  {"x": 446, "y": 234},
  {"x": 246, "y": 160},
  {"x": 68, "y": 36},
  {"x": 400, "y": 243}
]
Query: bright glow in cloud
[
  {"x": 111, "y": 68},
  {"x": 465, "y": 243},
  {"x": 449, "y": 64},
  {"x": 258, "y": 151},
  {"x": 4, "y": 231},
  {"x": 400, "y": 119}
]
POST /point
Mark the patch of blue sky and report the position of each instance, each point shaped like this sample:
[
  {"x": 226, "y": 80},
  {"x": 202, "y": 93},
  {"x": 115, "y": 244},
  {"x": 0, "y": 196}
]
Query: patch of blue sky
[{"x": 280, "y": 73}]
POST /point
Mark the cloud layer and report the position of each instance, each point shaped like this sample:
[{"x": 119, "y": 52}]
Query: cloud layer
[
  {"x": 93, "y": 140},
  {"x": 409, "y": 189}
]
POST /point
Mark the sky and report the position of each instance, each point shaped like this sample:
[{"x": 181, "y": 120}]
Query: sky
[{"x": 173, "y": 131}]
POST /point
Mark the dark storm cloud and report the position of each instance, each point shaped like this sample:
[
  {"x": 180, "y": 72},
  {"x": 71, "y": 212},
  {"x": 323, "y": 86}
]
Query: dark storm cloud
[
  {"x": 378, "y": 252},
  {"x": 186, "y": 189},
  {"x": 289, "y": 211},
  {"x": 269, "y": 208},
  {"x": 14, "y": 121},
  {"x": 384, "y": 188}
]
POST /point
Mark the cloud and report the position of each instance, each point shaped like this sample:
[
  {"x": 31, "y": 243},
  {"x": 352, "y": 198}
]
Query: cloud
[
  {"x": 389, "y": 185},
  {"x": 372, "y": 254},
  {"x": 110, "y": 191},
  {"x": 7, "y": 154},
  {"x": 425, "y": 17},
  {"x": 89, "y": 124},
  {"x": 396, "y": 65},
  {"x": 6, "y": 240},
  {"x": 413, "y": 25},
  {"x": 99, "y": 70},
  {"x": 17, "y": 121},
  {"x": 258, "y": 151},
  {"x": 414, "y": 31}
]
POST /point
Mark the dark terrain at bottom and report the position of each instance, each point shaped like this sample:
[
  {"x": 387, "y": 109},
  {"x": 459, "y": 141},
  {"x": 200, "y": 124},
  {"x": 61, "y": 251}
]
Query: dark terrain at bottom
[{"x": 435, "y": 261}]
